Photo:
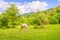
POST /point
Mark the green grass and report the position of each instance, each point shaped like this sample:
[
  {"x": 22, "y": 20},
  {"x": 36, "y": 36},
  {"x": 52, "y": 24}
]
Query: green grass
[{"x": 49, "y": 32}]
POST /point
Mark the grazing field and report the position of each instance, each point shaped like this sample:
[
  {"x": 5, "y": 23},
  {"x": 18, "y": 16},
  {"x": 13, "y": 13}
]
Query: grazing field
[{"x": 49, "y": 32}]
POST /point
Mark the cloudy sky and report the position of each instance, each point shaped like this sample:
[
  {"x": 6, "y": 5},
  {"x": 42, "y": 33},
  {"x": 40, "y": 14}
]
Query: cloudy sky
[{"x": 26, "y": 6}]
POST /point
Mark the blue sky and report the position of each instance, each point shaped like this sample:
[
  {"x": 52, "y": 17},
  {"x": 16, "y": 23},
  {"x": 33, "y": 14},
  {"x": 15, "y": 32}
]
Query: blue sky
[
  {"x": 26, "y": 6},
  {"x": 52, "y": 3}
]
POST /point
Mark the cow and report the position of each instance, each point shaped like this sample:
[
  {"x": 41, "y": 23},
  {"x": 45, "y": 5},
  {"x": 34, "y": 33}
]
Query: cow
[{"x": 25, "y": 26}]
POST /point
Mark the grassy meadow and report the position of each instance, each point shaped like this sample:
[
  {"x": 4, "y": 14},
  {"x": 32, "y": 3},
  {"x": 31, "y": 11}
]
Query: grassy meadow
[
  {"x": 49, "y": 32},
  {"x": 43, "y": 25}
]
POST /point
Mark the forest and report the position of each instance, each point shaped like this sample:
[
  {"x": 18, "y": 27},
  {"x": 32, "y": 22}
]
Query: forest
[{"x": 11, "y": 18}]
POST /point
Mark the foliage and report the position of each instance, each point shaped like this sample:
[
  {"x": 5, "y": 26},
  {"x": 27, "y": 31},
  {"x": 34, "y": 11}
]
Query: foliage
[
  {"x": 11, "y": 17},
  {"x": 12, "y": 12}
]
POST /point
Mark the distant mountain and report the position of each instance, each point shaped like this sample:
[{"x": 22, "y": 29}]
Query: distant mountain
[{"x": 56, "y": 9}]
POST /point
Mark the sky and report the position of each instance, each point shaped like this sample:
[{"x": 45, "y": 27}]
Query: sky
[{"x": 26, "y": 6}]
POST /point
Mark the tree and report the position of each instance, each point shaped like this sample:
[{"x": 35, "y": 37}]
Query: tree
[
  {"x": 12, "y": 12},
  {"x": 4, "y": 20}
]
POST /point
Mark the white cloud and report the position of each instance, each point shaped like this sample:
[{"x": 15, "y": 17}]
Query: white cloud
[
  {"x": 59, "y": 0},
  {"x": 3, "y": 4},
  {"x": 33, "y": 6},
  {"x": 26, "y": 7}
]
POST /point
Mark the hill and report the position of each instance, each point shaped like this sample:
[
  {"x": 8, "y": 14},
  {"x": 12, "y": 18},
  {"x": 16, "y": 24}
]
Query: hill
[{"x": 50, "y": 16}]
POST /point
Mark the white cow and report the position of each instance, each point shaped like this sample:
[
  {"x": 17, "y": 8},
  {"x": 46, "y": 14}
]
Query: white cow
[{"x": 24, "y": 26}]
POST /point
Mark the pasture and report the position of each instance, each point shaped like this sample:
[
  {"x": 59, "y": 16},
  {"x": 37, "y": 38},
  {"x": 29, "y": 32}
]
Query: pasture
[{"x": 49, "y": 32}]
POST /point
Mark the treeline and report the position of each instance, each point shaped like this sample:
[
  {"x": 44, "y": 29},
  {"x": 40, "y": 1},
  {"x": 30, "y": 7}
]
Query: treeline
[
  {"x": 12, "y": 18},
  {"x": 50, "y": 16}
]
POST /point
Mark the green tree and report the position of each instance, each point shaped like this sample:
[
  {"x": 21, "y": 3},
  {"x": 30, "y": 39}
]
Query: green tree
[
  {"x": 12, "y": 14},
  {"x": 4, "y": 20}
]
